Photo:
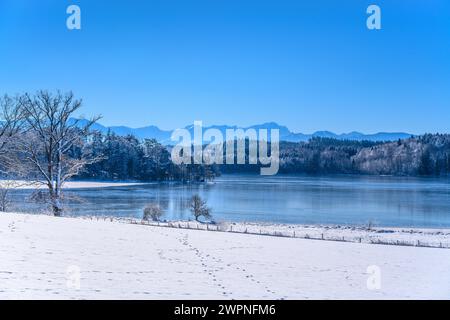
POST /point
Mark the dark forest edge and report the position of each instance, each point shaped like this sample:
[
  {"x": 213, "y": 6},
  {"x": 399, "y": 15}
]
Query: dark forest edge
[
  {"x": 426, "y": 155},
  {"x": 127, "y": 158}
]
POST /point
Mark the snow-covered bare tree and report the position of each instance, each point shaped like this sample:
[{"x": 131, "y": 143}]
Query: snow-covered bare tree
[
  {"x": 11, "y": 169},
  {"x": 152, "y": 211},
  {"x": 54, "y": 143},
  {"x": 11, "y": 119},
  {"x": 199, "y": 208}
]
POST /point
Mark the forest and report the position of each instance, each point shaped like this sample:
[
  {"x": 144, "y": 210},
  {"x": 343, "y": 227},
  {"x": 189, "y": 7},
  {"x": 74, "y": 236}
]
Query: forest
[
  {"x": 125, "y": 157},
  {"x": 426, "y": 155}
]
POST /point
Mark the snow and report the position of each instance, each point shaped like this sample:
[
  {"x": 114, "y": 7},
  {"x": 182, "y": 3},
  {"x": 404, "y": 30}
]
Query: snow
[
  {"x": 40, "y": 256},
  {"x": 439, "y": 238},
  {"x": 21, "y": 184}
]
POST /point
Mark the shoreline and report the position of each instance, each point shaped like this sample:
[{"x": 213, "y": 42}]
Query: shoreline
[
  {"x": 400, "y": 236},
  {"x": 434, "y": 238},
  {"x": 77, "y": 184}
]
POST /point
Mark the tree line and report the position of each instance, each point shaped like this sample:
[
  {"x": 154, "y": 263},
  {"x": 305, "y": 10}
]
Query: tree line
[
  {"x": 128, "y": 158},
  {"x": 426, "y": 155}
]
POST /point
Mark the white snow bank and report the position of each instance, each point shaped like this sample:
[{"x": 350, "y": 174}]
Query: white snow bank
[
  {"x": 22, "y": 184},
  {"x": 436, "y": 238},
  {"x": 40, "y": 257}
]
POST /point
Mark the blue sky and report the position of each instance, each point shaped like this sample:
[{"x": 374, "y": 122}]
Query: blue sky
[{"x": 310, "y": 65}]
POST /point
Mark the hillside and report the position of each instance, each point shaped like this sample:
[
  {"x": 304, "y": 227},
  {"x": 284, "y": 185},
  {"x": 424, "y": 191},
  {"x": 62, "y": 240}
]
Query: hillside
[{"x": 424, "y": 155}]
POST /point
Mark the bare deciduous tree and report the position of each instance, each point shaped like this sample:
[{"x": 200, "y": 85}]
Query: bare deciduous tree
[
  {"x": 53, "y": 141},
  {"x": 11, "y": 119},
  {"x": 199, "y": 208}
]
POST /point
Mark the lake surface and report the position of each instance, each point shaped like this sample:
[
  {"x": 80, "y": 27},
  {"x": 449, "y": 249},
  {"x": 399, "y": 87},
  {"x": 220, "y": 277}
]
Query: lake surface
[{"x": 355, "y": 200}]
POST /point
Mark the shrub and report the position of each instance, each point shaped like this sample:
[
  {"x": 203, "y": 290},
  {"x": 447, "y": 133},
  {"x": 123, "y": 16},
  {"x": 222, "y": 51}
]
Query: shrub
[{"x": 152, "y": 212}]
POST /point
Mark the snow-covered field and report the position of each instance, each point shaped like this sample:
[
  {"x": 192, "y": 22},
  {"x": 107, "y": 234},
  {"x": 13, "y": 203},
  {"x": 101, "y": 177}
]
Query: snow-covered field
[
  {"x": 44, "y": 257},
  {"x": 438, "y": 238}
]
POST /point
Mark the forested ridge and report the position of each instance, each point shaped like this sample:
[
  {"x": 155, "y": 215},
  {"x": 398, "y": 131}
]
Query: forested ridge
[
  {"x": 426, "y": 155},
  {"x": 126, "y": 157}
]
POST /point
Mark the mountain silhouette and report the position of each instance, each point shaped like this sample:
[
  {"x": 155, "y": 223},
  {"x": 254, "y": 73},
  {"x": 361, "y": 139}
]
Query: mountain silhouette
[{"x": 163, "y": 136}]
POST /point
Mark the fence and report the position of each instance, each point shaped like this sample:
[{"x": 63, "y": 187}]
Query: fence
[{"x": 286, "y": 234}]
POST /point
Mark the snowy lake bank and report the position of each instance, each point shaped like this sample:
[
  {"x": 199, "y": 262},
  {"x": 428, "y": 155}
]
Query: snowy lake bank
[{"x": 421, "y": 237}]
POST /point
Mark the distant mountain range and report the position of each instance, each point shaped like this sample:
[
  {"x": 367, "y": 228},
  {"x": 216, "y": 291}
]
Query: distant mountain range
[{"x": 163, "y": 136}]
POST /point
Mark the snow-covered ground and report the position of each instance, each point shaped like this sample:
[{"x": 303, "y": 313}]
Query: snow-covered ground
[
  {"x": 439, "y": 238},
  {"x": 43, "y": 257},
  {"x": 21, "y": 184}
]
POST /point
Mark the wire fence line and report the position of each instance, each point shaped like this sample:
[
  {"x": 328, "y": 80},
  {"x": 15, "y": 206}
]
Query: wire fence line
[{"x": 227, "y": 227}]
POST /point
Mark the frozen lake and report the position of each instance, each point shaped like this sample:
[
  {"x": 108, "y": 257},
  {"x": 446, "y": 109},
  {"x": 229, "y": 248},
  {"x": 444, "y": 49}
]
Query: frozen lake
[{"x": 356, "y": 200}]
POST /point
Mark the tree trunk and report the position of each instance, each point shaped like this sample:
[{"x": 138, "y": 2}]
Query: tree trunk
[
  {"x": 56, "y": 206},
  {"x": 57, "y": 211},
  {"x": 55, "y": 201}
]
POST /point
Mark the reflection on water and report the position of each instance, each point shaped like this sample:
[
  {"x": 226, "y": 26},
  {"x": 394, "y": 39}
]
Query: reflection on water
[{"x": 386, "y": 201}]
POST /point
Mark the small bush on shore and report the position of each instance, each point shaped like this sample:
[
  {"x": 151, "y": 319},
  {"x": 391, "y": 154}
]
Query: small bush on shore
[
  {"x": 152, "y": 212},
  {"x": 223, "y": 226}
]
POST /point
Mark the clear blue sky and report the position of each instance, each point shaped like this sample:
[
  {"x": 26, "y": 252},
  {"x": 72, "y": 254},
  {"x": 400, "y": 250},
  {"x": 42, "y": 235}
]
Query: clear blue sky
[{"x": 310, "y": 65}]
